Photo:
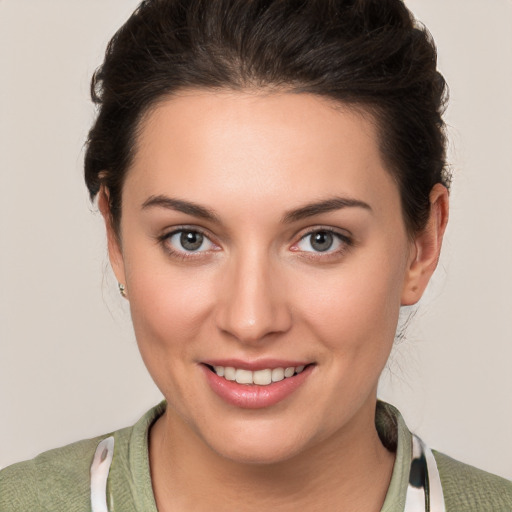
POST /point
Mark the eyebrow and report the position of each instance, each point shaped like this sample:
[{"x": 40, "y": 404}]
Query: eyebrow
[
  {"x": 180, "y": 205},
  {"x": 328, "y": 205},
  {"x": 304, "y": 212}
]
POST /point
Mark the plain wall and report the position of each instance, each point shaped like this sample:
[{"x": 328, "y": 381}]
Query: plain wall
[{"x": 69, "y": 366}]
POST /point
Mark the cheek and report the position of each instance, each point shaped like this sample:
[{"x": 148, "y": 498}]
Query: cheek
[
  {"x": 169, "y": 308},
  {"x": 166, "y": 306},
  {"x": 355, "y": 309}
]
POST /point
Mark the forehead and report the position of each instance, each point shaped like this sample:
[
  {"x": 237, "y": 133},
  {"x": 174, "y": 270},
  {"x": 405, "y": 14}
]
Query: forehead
[{"x": 281, "y": 148}]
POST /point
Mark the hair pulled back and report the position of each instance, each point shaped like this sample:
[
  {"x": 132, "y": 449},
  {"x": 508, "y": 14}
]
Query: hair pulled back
[{"x": 364, "y": 53}]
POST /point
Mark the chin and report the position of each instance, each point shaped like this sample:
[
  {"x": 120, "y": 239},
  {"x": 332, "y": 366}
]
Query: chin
[
  {"x": 256, "y": 444},
  {"x": 259, "y": 454}
]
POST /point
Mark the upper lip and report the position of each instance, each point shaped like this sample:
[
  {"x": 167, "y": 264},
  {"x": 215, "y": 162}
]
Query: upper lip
[{"x": 258, "y": 364}]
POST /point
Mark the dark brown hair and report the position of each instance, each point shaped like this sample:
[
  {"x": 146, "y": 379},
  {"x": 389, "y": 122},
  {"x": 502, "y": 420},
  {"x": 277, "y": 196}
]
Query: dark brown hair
[{"x": 370, "y": 54}]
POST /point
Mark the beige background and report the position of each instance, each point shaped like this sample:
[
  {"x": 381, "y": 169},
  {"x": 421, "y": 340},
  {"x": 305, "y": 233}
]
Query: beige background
[{"x": 69, "y": 367}]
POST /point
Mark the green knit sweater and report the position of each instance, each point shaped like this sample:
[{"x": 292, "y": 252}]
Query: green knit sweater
[{"x": 59, "y": 480}]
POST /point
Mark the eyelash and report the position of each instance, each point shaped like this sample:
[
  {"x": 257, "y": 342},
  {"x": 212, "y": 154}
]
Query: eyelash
[{"x": 345, "y": 241}]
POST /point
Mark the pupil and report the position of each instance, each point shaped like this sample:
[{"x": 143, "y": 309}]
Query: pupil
[
  {"x": 190, "y": 240},
  {"x": 322, "y": 241}
]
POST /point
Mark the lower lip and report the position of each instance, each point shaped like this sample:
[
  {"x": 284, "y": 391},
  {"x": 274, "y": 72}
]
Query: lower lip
[{"x": 252, "y": 396}]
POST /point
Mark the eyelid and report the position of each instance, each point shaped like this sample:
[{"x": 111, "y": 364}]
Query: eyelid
[
  {"x": 342, "y": 233},
  {"x": 169, "y": 230}
]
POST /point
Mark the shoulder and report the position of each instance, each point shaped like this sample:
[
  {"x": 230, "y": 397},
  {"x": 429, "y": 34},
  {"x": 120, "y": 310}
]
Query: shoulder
[
  {"x": 468, "y": 489},
  {"x": 56, "y": 480},
  {"x": 59, "y": 480}
]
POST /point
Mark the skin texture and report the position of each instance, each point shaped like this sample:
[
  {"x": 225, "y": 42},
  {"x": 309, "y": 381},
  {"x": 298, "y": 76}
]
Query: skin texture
[{"x": 257, "y": 289}]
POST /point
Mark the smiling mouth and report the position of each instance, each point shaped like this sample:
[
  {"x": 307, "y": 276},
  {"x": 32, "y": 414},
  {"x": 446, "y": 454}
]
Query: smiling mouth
[{"x": 263, "y": 377}]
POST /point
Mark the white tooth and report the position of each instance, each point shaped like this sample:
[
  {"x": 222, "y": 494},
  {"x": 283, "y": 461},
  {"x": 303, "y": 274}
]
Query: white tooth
[
  {"x": 289, "y": 371},
  {"x": 229, "y": 373},
  {"x": 243, "y": 376},
  {"x": 277, "y": 374},
  {"x": 262, "y": 377},
  {"x": 299, "y": 369},
  {"x": 219, "y": 370}
]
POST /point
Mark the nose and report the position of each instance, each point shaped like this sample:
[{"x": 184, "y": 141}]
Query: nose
[{"x": 253, "y": 302}]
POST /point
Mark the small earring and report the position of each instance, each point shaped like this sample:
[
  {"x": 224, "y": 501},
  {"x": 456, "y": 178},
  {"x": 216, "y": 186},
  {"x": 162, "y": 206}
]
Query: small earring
[{"x": 122, "y": 290}]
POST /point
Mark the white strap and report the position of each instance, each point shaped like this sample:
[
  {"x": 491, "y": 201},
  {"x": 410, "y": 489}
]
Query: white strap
[
  {"x": 100, "y": 468},
  {"x": 425, "y": 495},
  {"x": 434, "y": 482},
  {"x": 415, "y": 500}
]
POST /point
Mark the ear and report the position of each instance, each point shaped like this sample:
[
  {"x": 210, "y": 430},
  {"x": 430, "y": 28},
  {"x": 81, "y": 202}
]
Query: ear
[
  {"x": 426, "y": 248},
  {"x": 114, "y": 243}
]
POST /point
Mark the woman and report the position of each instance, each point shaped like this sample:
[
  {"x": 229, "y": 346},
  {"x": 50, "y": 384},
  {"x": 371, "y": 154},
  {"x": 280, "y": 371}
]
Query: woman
[{"x": 272, "y": 179}]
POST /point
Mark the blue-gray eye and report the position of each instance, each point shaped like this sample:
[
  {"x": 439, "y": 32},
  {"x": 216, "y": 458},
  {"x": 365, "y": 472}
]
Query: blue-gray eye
[
  {"x": 320, "y": 241},
  {"x": 188, "y": 240},
  {"x": 191, "y": 240}
]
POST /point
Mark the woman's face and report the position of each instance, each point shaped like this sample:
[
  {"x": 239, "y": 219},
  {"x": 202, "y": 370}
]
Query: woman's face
[{"x": 262, "y": 232}]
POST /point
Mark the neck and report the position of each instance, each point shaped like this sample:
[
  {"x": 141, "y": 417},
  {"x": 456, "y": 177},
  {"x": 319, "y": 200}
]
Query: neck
[{"x": 349, "y": 470}]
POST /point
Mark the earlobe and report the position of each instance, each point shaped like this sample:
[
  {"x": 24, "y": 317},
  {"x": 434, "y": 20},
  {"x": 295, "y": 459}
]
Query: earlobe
[
  {"x": 427, "y": 247},
  {"x": 114, "y": 244}
]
